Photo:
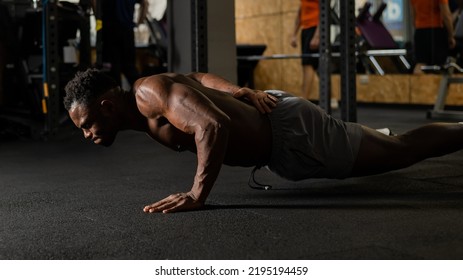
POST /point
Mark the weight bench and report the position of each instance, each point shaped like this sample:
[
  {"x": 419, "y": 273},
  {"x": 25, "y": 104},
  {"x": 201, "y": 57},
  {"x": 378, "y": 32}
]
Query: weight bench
[
  {"x": 378, "y": 39},
  {"x": 439, "y": 111}
]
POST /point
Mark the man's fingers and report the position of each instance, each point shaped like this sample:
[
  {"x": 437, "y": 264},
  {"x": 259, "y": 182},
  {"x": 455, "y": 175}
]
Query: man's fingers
[
  {"x": 259, "y": 107},
  {"x": 173, "y": 203},
  {"x": 172, "y": 209},
  {"x": 272, "y": 101},
  {"x": 154, "y": 208},
  {"x": 162, "y": 204},
  {"x": 267, "y": 104},
  {"x": 158, "y": 208},
  {"x": 272, "y": 98}
]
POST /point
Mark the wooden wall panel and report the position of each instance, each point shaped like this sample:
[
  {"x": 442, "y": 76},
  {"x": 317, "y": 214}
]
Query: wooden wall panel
[
  {"x": 270, "y": 22},
  {"x": 383, "y": 89},
  {"x": 455, "y": 96},
  {"x": 423, "y": 88},
  {"x": 257, "y": 8}
]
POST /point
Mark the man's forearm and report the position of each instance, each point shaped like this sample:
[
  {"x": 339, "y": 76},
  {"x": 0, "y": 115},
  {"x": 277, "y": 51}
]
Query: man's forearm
[
  {"x": 447, "y": 19},
  {"x": 297, "y": 22},
  {"x": 261, "y": 100},
  {"x": 211, "y": 146},
  {"x": 216, "y": 82}
]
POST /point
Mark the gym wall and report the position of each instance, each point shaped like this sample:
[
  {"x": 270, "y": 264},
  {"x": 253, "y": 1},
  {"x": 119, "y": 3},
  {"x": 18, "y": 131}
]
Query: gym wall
[{"x": 270, "y": 22}]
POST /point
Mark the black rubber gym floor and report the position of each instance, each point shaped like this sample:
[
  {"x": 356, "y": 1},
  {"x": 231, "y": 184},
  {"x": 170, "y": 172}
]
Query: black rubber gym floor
[{"x": 66, "y": 198}]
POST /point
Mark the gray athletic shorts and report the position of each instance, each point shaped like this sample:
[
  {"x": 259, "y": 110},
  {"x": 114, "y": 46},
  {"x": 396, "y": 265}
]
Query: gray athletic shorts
[{"x": 308, "y": 143}]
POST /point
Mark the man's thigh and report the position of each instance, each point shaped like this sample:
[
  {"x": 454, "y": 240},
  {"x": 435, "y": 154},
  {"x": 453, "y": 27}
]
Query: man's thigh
[{"x": 378, "y": 153}]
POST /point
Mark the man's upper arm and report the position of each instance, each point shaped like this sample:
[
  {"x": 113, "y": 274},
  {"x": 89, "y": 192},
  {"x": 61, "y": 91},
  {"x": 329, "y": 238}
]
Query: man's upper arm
[
  {"x": 185, "y": 108},
  {"x": 191, "y": 111},
  {"x": 445, "y": 9},
  {"x": 215, "y": 82}
]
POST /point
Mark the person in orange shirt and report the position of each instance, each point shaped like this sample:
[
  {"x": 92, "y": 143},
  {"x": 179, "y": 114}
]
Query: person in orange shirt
[
  {"x": 434, "y": 34},
  {"x": 307, "y": 19}
]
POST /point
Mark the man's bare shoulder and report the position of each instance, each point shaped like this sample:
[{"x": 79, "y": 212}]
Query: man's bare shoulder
[
  {"x": 153, "y": 80},
  {"x": 151, "y": 94},
  {"x": 160, "y": 81}
]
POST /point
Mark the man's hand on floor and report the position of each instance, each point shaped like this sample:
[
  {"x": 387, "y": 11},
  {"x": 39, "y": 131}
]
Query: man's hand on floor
[{"x": 174, "y": 203}]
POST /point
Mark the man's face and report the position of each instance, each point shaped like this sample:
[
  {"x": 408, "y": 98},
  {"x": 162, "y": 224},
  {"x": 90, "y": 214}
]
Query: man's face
[{"x": 94, "y": 124}]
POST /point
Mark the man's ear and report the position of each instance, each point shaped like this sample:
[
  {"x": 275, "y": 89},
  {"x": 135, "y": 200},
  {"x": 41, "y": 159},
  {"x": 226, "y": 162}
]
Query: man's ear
[{"x": 107, "y": 107}]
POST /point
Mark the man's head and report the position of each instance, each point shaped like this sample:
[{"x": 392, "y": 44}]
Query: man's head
[{"x": 90, "y": 102}]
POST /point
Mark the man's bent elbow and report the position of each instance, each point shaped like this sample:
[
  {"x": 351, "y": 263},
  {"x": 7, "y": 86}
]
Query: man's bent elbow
[
  {"x": 225, "y": 122},
  {"x": 220, "y": 126}
]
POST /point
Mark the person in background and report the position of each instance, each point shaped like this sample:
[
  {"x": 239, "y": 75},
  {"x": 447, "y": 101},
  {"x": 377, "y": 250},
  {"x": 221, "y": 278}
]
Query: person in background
[
  {"x": 307, "y": 19},
  {"x": 434, "y": 32},
  {"x": 119, "y": 38}
]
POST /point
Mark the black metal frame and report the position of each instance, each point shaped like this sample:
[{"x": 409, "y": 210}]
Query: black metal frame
[
  {"x": 99, "y": 34},
  {"x": 51, "y": 74},
  {"x": 324, "y": 68},
  {"x": 348, "y": 70},
  {"x": 348, "y": 58},
  {"x": 199, "y": 35}
]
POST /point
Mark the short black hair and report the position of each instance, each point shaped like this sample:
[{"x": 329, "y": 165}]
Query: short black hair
[{"x": 87, "y": 86}]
